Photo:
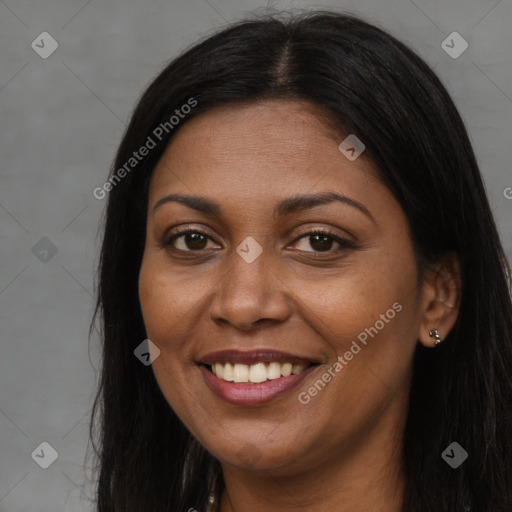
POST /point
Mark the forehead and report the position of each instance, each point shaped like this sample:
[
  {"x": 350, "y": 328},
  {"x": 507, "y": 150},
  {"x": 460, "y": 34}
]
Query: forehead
[{"x": 259, "y": 148}]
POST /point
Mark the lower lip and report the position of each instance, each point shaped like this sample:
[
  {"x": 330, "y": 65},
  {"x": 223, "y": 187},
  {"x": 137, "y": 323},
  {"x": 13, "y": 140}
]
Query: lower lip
[{"x": 253, "y": 394}]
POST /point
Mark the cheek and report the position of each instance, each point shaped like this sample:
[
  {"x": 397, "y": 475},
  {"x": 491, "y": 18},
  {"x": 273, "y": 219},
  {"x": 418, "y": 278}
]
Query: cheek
[
  {"x": 348, "y": 304},
  {"x": 166, "y": 309},
  {"x": 370, "y": 333},
  {"x": 167, "y": 301},
  {"x": 157, "y": 300},
  {"x": 367, "y": 315}
]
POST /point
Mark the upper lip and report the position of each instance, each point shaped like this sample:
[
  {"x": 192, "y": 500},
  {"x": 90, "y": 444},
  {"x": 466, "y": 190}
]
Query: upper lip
[{"x": 250, "y": 357}]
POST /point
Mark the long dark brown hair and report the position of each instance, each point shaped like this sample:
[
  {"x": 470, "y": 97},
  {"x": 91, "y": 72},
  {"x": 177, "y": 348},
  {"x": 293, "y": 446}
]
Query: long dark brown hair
[{"x": 369, "y": 84}]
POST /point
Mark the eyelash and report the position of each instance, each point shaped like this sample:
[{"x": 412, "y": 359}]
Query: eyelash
[{"x": 342, "y": 242}]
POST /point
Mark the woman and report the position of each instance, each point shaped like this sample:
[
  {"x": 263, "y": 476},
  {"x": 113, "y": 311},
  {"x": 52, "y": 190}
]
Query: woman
[{"x": 304, "y": 300}]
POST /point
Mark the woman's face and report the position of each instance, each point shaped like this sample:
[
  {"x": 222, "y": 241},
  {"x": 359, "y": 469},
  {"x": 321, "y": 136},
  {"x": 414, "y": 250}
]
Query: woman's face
[{"x": 256, "y": 289}]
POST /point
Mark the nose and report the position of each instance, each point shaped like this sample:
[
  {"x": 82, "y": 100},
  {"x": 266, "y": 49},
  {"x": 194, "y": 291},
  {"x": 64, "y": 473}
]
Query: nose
[{"x": 250, "y": 294}]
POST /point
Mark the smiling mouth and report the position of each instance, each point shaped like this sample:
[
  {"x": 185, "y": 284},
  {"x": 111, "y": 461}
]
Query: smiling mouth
[
  {"x": 256, "y": 373},
  {"x": 254, "y": 377}
]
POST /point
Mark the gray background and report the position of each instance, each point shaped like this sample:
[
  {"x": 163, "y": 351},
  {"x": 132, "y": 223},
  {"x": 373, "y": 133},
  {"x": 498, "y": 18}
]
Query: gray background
[{"x": 62, "y": 118}]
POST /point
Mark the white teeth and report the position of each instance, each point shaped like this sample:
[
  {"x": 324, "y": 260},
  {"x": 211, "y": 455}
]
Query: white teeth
[
  {"x": 256, "y": 373},
  {"x": 286, "y": 369},
  {"x": 219, "y": 370},
  {"x": 273, "y": 371},
  {"x": 228, "y": 372},
  {"x": 241, "y": 373}
]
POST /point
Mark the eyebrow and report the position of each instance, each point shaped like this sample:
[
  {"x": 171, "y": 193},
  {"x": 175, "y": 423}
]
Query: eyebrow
[{"x": 286, "y": 207}]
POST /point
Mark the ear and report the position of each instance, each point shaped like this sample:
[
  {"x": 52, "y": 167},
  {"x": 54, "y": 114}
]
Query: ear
[{"x": 440, "y": 298}]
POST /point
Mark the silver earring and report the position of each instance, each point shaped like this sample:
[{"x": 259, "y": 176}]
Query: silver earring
[{"x": 434, "y": 333}]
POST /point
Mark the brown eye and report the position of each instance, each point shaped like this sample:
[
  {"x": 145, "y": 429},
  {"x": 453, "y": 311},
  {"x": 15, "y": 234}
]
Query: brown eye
[
  {"x": 194, "y": 241},
  {"x": 188, "y": 241},
  {"x": 322, "y": 241}
]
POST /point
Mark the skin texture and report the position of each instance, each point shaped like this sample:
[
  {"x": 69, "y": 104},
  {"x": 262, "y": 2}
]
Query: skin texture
[{"x": 340, "y": 451}]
